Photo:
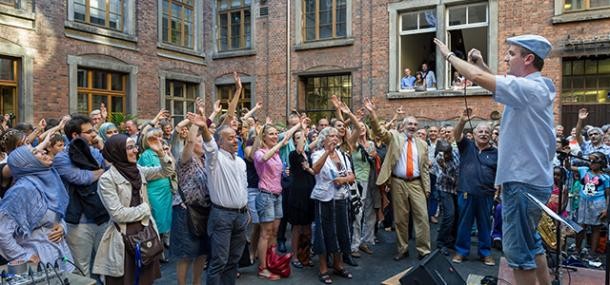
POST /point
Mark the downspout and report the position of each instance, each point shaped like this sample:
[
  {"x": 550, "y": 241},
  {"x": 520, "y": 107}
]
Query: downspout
[{"x": 287, "y": 58}]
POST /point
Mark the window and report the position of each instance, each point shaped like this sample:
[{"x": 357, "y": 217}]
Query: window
[
  {"x": 315, "y": 93},
  {"x": 180, "y": 98},
  {"x": 468, "y": 29},
  {"x": 103, "y": 13},
  {"x": 579, "y": 5},
  {"x": 225, "y": 91},
  {"x": 324, "y": 19},
  {"x": 9, "y": 84},
  {"x": 234, "y": 24},
  {"x": 417, "y": 29},
  {"x": 100, "y": 86},
  {"x": 178, "y": 22},
  {"x": 586, "y": 80}
]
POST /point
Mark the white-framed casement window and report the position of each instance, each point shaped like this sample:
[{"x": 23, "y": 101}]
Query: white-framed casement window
[
  {"x": 467, "y": 28},
  {"x": 234, "y": 25},
  {"x": 109, "y": 22},
  {"x": 108, "y": 14},
  {"x": 417, "y": 30}
]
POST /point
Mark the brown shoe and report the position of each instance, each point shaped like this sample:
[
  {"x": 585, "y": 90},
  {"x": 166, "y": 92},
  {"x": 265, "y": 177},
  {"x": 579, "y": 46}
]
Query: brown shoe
[
  {"x": 365, "y": 248},
  {"x": 400, "y": 256},
  {"x": 488, "y": 260},
  {"x": 356, "y": 254},
  {"x": 457, "y": 258}
]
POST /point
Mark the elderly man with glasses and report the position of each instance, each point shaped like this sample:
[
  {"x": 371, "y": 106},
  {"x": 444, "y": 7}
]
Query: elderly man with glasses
[{"x": 596, "y": 137}]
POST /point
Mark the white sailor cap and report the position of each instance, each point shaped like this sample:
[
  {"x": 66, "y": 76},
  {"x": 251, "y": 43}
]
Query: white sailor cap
[{"x": 539, "y": 45}]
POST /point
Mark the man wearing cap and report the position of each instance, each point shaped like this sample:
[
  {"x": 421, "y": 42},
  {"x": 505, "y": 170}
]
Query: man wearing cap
[
  {"x": 595, "y": 134},
  {"x": 528, "y": 99}
]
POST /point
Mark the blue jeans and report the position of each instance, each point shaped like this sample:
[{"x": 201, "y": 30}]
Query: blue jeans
[
  {"x": 227, "y": 233},
  {"x": 447, "y": 230},
  {"x": 474, "y": 207},
  {"x": 434, "y": 199},
  {"x": 521, "y": 242}
]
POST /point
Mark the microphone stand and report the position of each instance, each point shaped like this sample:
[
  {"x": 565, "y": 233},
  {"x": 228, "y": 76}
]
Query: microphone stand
[{"x": 557, "y": 271}]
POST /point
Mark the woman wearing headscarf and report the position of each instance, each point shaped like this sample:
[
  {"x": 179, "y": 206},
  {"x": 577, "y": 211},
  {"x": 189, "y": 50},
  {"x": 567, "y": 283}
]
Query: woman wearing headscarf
[
  {"x": 107, "y": 130},
  {"x": 123, "y": 190},
  {"x": 31, "y": 213}
]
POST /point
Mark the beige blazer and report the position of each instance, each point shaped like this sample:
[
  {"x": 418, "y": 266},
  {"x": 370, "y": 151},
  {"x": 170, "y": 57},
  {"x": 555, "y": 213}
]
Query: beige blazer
[
  {"x": 115, "y": 193},
  {"x": 395, "y": 142}
]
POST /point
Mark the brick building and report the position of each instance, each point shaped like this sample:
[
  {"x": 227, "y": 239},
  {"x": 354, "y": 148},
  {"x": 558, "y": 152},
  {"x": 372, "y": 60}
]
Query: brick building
[{"x": 139, "y": 56}]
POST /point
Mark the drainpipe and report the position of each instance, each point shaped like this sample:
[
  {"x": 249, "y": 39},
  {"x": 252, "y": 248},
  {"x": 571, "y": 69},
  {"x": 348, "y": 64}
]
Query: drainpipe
[{"x": 287, "y": 58}]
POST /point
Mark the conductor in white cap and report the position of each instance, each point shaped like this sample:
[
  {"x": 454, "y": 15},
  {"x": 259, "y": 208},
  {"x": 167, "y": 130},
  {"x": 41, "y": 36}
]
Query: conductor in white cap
[{"x": 525, "y": 160}]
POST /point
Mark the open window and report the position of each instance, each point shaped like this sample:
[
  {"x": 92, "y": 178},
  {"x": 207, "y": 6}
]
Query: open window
[
  {"x": 417, "y": 30},
  {"x": 467, "y": 28}
]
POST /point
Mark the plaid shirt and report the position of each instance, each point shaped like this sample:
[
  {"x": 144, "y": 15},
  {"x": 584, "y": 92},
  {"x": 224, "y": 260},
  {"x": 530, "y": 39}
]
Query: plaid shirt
[{"x": 447, "y": 175}]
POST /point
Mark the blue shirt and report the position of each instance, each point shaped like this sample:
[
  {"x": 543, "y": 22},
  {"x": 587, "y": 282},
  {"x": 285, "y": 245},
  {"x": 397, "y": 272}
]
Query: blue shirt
[
  {"x": 477, "y": 168},
  {"x": 594, "y": 185},
  {"x": 407, "y": 82},
  {"x": 588, "y": 148},
  {"x": 527, "y": 141},
  {"x": 429, "y": 78}
]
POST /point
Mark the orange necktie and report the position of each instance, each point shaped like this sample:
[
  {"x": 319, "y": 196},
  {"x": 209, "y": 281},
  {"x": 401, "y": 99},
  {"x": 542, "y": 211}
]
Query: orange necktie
[{"x": 409, "y": 159}]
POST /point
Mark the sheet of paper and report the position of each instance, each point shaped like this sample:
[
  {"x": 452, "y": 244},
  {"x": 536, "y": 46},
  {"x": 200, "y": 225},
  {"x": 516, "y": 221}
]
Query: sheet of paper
[{"x": 569, "y": 223}]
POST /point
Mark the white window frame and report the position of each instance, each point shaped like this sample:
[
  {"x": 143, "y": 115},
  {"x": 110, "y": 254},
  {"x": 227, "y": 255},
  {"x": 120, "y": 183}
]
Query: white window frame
[
  {"x": 418, "y": 30},
  {"x": 468, "y": 25}
]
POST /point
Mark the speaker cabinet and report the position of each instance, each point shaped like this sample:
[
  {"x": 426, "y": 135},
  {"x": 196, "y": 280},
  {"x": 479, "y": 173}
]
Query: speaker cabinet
[{"x": 435, "y": 269}]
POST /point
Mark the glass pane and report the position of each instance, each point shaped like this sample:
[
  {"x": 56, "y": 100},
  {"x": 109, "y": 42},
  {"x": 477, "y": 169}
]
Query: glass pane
[
  {"x": 190, "y": 106},
  {"x": 224, "y": 32},
  {"x": 114, "y": 21},
  {"x": 604, "y": 82},
  {"x": 591, "y": 83},
  {"x": 188, "y": 27},
  {"x": 117, "y": 104},
  {"x": 591, "y": 66},
  {"x": 79, "y": 10},
  {"x": 570, "y": 5},
  {"x": 578, "y": 83},
  {"x": 341, "y": 27},
  {"x": 117, "y": 81},
  {"x": 97, "y": 12},
  {"x": 115, "y": 6},
  {"x": 326, "y": 19},
  {"x": 6, "y": 69},
  {"x": 99, "y": 80},
  {"x": 604, "y": 66},
  {"x": 310, "y": 20},
  {"x": 96, "y": 101},
  {"x": 457, "y": 16},
  {"x": 598, "y": 3},
  {"x": 477, "y": 14},
  {"x": 178, "y": 89},
  {"x": 8, "y": 100},
  {"x": 82, "y": 103},
  {"x": 235, "y": 29},
  {"x": 567, "y": 68},
  {"x": 427, "y": 19},
  {"x": 222, "y": 5},
  {"x": 235, "y": 3},
  {"x": 178, "y": 108},
  {"x": 176, "y": 20},
  {"x": 409, "y": 21},
  {"x": 165, "y": 28},
  {"x": 578, "y": 67},
  {"x": 191, "y": 89},
  {"x": 247, "y": 28},
  {"x": 81, "y": 78}
]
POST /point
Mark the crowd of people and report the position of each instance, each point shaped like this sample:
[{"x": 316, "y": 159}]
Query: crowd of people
[{"x": 113, "y": 202}]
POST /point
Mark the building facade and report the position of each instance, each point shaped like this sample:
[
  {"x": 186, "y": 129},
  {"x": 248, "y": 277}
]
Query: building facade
[{"x": 64, "y": 56}]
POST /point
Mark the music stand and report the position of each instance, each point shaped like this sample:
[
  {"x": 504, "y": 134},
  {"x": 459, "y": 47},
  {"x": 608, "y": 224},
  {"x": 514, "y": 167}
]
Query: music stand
[{"x": 559, "y": 220}]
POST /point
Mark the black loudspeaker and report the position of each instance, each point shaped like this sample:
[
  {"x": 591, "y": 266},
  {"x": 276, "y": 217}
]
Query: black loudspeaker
[{"x": 435, "y": 269}]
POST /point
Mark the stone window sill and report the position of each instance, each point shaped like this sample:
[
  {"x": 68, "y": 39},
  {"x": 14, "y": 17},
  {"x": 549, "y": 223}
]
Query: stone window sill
[
  {"x": 17, "y": 17},
  {"x": 324, "y": 44},
  {"x": 98, "y": 31},
  {"x": 187, "y": 51},
  {"x": 234, "y": 53},
  {"x": 408, "y": 94},
  {"x": 581, "y": 16}
]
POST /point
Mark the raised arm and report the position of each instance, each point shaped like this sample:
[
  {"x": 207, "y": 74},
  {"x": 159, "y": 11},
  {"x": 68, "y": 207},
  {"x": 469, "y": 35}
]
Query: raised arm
[
  {"x": 459, "y": 128},
  {"x": 187, "y": 152},
  {"x": 37, "y": 131},
  {"x": 355, "y": 133},
  {"x": 287, "y": 136},
  {"x": 337, "y": 103},
  {"x": 329, "y": 147},
  {"x": 201, "y": 122},
  {"x": 251, "y": 112},
  {"x": 234, "y": 100},
  {"x": 378, "y": 130},
  {"x": 582, "y": 116},
  {"x": 217, "y": 110}
]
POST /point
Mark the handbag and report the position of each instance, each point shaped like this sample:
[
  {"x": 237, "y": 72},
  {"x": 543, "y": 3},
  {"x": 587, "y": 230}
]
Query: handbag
[
  {"x": 144, "y": 245},
  {"x": 196, "y": 216},
  {"x": 278, "y": 264}
]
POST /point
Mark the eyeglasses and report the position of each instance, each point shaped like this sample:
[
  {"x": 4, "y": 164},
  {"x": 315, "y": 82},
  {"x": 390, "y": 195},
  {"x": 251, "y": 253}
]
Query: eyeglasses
[
  {"x": 112, "y": 132},
  {"x": 132, "y": 147},
  {"x": 89, "y": 131}
]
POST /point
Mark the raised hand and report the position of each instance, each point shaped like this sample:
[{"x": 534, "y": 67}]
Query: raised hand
[
  {"x": 268, "y": 120},
  {"x": 344, "y": 108},
  {"x": 200, "y": 105},
  {"x": 42, "y": 124},
  {"x": 583, "y": 113},
  {"x": 474, "y": 56},
  {"x": 237, "y": 79},
  {"x": 368, "y": 105},
  {"x": 217, "y": 106},
  {"x": 197, "y": 119},
  {"x": 103, "y": 111},
  {"x": 442, "y": 47},
  {"x": 400, "y": 110},
  {"x": 155, "y": 144},
  {"x": 335, "y": 101},
  {"x": 258, "y": 105}
]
